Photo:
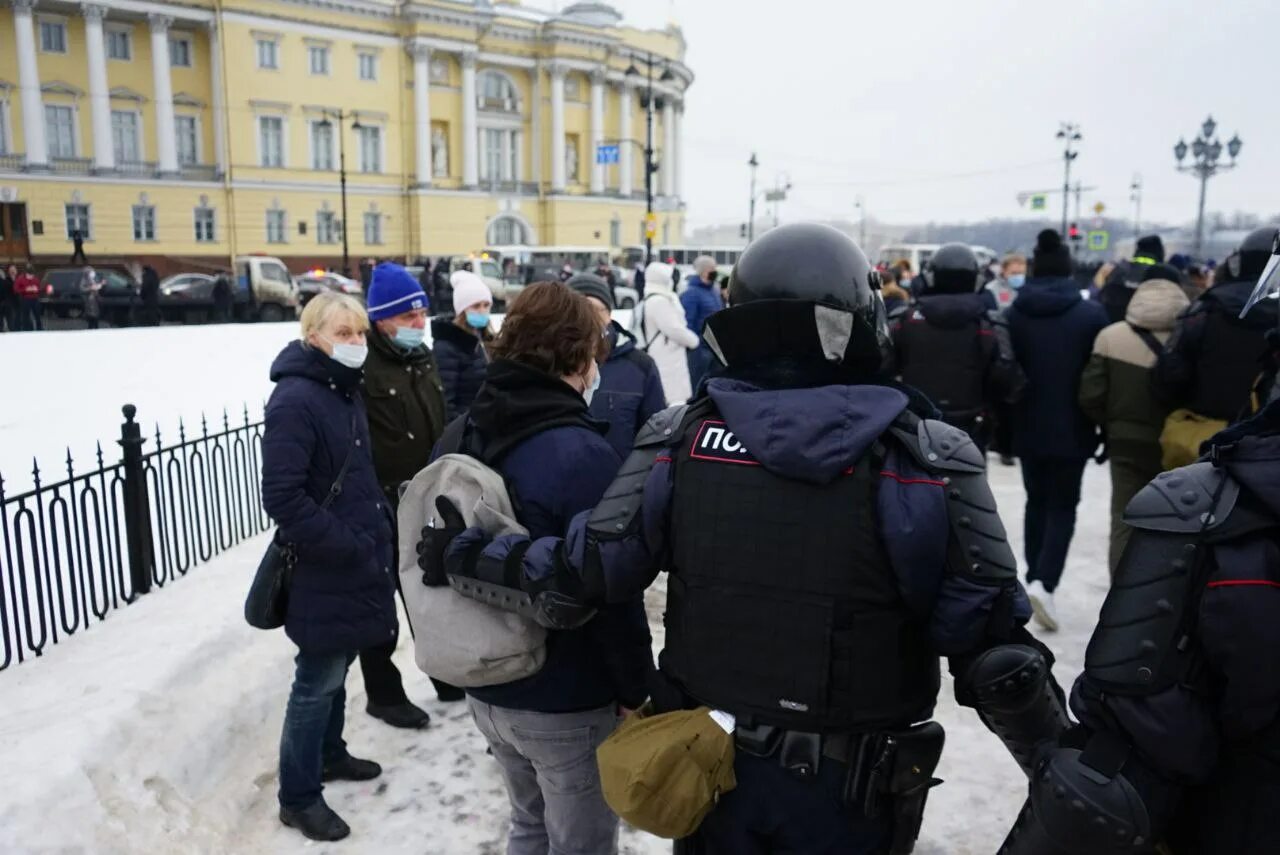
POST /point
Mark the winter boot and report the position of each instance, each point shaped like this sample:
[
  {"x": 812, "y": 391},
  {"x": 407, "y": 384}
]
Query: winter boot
[
  {"x": 348, "y": 768},
  {"x": 316, "y": 821},
  {"x": 447, "y": 693},
  {"x": 404, "y": 715}
]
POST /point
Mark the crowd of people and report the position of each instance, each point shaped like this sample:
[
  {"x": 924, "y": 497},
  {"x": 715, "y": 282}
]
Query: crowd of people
[{"x": 826, "y": 397}]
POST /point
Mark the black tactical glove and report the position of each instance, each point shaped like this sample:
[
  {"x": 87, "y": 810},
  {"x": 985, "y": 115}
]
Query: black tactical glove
[{"x": 435, "y": 543}]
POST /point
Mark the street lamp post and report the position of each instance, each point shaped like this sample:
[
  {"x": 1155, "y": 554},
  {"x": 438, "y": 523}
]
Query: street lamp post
[
  {"x": 754, "y": 163},
  {"x": 862, "y": 223},
  {"x": 1206, "y": 150},
  {"x": 1070, "y": 134},
  {"x": 1135, "y": 196},
  {"x": 340, "y": 117},
  {"x": 650, "y": 166}
]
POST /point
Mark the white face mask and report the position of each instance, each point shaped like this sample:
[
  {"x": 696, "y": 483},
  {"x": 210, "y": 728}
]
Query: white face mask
[{"x": 350, "y": 355}]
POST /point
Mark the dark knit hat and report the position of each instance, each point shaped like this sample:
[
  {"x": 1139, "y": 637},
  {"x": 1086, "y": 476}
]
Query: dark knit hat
[
  {"x": 1051, "y": 256},
  {"x": 1150, "y": 247},
  {"x": 1162, "y": 271},
  {"x": 590, "y": 285}
]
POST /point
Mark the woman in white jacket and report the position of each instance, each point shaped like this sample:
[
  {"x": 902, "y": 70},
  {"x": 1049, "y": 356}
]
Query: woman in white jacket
[{"x": 664, "y": 332}]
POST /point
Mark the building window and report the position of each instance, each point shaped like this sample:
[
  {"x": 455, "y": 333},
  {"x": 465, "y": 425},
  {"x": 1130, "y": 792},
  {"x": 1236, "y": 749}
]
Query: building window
[
  {"x": 373, "y": 228},
  {"x": 370, "y": 148},
  {"x": 319, "y": 55},
  {"x": 268, "y": 54},
  {"x": 271, "y": 140},
  {"x": 497, "y": 92},
  {"x": 499, "y": 154},
  {"x": 60, "y": 130},
  {"x": 125, "y": 139},
  {"x": 144, "y": 222},
  {"x": 119, "y": 45},
  {"x": 188, "y": 140},
  {"x": 326, "y": 227},
  {"x": 180, "y": 52},
  {"x": 78, "y": 220},
  {"x": 204, "y": 218},
  {"x": 505, "y": 231},
  {"x": 615, "y": 232},
  {"x": 368, "y": 66},
  {"x": 322, "y": 146},
  {"x": 276, "y": 226},
  {"x": 53, "y": 37}
]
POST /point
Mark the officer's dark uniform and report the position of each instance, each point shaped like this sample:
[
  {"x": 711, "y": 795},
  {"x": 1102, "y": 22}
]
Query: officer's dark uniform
[
  {"x": 824, "y": 545},
  {"x": 954, "y": 349}
]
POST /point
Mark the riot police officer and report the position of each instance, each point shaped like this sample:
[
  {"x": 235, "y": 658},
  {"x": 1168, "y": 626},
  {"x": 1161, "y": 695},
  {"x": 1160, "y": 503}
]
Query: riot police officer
[
  {"x": 1215, "y": 354},
  {"x": 954, "y": 349},
  {"x": 824, "y": 544}
]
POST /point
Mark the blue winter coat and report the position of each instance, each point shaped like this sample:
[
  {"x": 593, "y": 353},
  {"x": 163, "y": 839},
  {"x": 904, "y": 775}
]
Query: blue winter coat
[
  {"x": 1052, "y": 330},
  {"x": 462, "y": 360},
  {"x": 342, "y": 591},
  {"x": 630, "y": 391},
  {"x": 701, "y": 300}
]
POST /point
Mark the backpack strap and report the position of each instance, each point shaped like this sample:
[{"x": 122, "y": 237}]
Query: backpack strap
[{"x": 1148, "y": 338}]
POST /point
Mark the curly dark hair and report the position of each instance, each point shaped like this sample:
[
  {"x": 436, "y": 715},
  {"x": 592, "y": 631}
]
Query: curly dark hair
[{"x": 552, "y": 328}]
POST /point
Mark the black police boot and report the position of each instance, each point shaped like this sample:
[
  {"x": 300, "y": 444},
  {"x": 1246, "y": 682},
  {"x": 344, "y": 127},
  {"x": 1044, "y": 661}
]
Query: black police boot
[
  {"x": 348, "y": 768},
  {"x": 316, "y": 821},
  {"x": 404, "y": 715}
]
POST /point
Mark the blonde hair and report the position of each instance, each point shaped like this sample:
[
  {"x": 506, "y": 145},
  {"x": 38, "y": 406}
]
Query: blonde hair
[{"x": 323, "y": 306}]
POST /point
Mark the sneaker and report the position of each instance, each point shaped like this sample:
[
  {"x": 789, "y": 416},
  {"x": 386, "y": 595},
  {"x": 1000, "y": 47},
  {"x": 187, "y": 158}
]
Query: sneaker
[
  {"x": 1042, "y": 606},
  {"x": 348, "y": 768},
  {"x": 317, "y": 821},
  {"x": 404, "y": 715}
]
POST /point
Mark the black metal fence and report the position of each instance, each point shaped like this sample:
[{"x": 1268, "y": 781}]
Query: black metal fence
[{"x": 80, "y": 547}]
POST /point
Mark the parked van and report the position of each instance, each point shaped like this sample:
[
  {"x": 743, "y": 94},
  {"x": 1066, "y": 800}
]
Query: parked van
[
  {"x": 264, "y": 289},
  {"x": 916, "y": 254}
]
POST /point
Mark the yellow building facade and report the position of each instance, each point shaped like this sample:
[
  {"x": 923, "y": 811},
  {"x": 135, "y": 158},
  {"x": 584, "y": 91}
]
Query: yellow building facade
[{"x": 188, "y": 133}]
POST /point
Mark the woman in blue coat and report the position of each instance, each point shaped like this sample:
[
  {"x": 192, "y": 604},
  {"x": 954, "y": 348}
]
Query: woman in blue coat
[{"x": 341, "y": 592}]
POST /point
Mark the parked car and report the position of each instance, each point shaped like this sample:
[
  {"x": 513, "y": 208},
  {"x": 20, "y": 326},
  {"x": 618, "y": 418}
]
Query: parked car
[
  {"x": 488, "y": 270},
  {"x": 264, "y": 290},
  {"x": 310, "y": 284},
  {"x": 60, "y": 293}
]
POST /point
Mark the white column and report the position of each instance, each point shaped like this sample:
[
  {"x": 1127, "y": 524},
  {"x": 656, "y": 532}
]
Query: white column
[
  {"x": 104, "y": 155},
  {"x": 470, "y": 135},
  {"x": 597, "y": 129},
  {"x": 535, "y": 139},
  {"x": 29, "y": 85},
  {"x": 219, "y": 99},
  {"x": 627, "y": 156},
  {"x": 505, "y": 154},
  {"x": 517, "y": 140},
  {"x": 557, "y": 127},
  {"x": 166, "y": 131},
  {"x": 422, "y": 110},
  {"x": 668, "y": 146},
  {"x": 679, "y": 151}
]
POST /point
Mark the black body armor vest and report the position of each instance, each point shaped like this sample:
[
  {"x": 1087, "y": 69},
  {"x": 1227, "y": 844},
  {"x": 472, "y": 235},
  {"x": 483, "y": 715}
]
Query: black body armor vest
[
  {"x": 947, "y": 364},
  {"x": 782, "y": 606},
  {"x": 1228, "y": 366}
]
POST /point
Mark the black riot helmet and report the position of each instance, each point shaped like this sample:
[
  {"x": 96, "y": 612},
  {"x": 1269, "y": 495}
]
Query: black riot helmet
[
  {"x": 953, "y": 269},
  {"x": 807, "y": 293},
  {"x": 1254, "y": 254}
]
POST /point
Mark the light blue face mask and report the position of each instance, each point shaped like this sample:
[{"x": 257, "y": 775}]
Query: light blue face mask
[
  {"x": 1017, "y": 280},
  {"x": 478, "y": 320},
  {"x": 409, "y": 337},
  {"x": 591, "y": 392}
]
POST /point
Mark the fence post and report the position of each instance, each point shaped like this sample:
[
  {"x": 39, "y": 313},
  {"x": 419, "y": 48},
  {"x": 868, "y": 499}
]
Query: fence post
[{"x": 137, "y": 505}]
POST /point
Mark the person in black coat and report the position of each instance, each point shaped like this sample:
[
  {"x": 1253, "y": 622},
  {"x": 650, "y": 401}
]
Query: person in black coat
[
  {"x": 222, "y": 298},
  {"x": 460, "y": 343},
  {"x": 441, "y": 292},
  {"x": 8, "y": 299},
  {"x": 341, "y": 591},
  {"x": 150, "y": 295}
]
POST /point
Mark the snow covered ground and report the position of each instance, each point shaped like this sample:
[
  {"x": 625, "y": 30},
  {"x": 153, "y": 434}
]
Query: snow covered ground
[{"x": 157, "y": 730}]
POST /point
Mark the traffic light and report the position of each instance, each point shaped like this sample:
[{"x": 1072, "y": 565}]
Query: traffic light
[{"x": 1074, "y": 232}]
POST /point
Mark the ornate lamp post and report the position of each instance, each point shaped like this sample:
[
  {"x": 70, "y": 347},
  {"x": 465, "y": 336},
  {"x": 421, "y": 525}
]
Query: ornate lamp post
[{"x": 1206, "y": 150}]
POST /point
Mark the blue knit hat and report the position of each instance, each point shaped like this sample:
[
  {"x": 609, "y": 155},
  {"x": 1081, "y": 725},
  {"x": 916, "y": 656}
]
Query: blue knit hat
[{"x": 392, "y": 292}]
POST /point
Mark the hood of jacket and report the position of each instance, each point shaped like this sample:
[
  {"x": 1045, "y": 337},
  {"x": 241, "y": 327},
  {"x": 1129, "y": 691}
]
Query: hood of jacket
[
  {"x": 1231, "y": 297},
  {"x": 298, "y": 360},
  {"x": 1156, "y": 305},
  {"x": 517, "y": 401},
  {"x": 1047, "y": 296},
  {"x": 806, "y": 434},
  {"x": 951, "y": 310},
  {"x": 443, "y": 329},
  {"x": 621, "y": 341}
]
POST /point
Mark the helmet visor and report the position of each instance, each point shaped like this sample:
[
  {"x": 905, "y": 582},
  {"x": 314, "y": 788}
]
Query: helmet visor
[{"x": 1268, "y": 287}]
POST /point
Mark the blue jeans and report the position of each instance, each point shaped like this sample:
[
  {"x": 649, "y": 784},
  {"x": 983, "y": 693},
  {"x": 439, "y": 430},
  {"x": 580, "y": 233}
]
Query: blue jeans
[{"x": 312, "y": 726}]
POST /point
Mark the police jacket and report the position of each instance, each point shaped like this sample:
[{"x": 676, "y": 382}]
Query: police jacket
[
  {"x": 824, "y": 545},
  {"x": 1214, "y": 356}
]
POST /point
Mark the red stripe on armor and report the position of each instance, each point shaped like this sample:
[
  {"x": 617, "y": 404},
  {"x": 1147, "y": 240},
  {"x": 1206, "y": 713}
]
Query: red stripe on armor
[
  {"x": 895, "y": 476},
  {"x": 1231, "y": 583}
]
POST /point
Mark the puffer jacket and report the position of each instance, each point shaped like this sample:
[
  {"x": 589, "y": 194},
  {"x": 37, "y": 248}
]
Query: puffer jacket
[
  {"x": 630, "y": 391},
  {"x": 666, "y": 333},
  {"x": 341, "y": 595},
  {"x": 1115, "y": 389},
  {"x": 462, "y": 360}
]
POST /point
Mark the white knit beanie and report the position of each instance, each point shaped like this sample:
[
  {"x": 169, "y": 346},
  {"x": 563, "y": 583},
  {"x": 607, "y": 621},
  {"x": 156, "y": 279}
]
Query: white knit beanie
[
  {"x": 468, "y": 289},
  {"x": 660, "y": 276}
]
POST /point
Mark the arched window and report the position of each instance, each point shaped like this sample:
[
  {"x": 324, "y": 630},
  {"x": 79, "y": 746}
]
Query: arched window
[
  {"x": 498, "y": 92},
  {"x": 506, "y": 231}
]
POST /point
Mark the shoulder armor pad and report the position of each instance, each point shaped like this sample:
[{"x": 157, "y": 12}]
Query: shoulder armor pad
[
  {"x": 979, "y": 548},
  {"x": 661, "y": 428},
  {"x": 1194, "y": 498},
  {"x": 619, "y": 509},
  {"x": 939, "y": 447}
]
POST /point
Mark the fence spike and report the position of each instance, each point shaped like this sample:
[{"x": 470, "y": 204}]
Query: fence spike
[
  {"x": 35, "y": 471},
  {"x": 204, "y": 425},
  {"x": 246, "y": 415},
  {"x": 100, "y": 464},
  {"x": 1, "y": 489},
  {"x": 70, "y": 471},
  {"x": 182, "y": 432},
  {"x": 226, "y": 420},
  {"x": 159, "y": 445}
]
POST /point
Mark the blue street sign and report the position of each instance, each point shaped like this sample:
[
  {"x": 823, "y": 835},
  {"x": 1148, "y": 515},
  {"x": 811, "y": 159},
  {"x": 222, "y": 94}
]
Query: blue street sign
[{"x": 607, "y": 154}]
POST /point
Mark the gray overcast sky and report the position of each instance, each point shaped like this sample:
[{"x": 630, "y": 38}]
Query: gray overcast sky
[{"x": 903, "y": 100}]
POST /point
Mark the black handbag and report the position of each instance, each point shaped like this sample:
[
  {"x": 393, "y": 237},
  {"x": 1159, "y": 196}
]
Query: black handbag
[{"x": 268, "y": 601}]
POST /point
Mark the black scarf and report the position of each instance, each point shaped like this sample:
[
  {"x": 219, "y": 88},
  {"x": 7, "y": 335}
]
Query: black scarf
[{"x": 517, "y": 402}]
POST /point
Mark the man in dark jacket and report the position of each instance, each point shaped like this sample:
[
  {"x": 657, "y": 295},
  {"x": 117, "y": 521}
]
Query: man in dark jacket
[
  {"x": 825, "y": 545},
  {"x": 1214, "y": 356},
  {"x": 8, "y": 299},
  {"x": 630, "y": 386},
  {"x": 222, "y": 298},
  {"x": 1125, "y": 278},
  {"x": 956, "y": 350},
  {"x": 405, "y": 399},
  {"x": 1053, "y": 331},
  {"x": 150, "y": 295},
  {"x": 701, "y": 299}
]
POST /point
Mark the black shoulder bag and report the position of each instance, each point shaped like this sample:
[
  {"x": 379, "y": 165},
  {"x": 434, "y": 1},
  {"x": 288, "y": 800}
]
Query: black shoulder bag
[{"x": 268, "y": 601}]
